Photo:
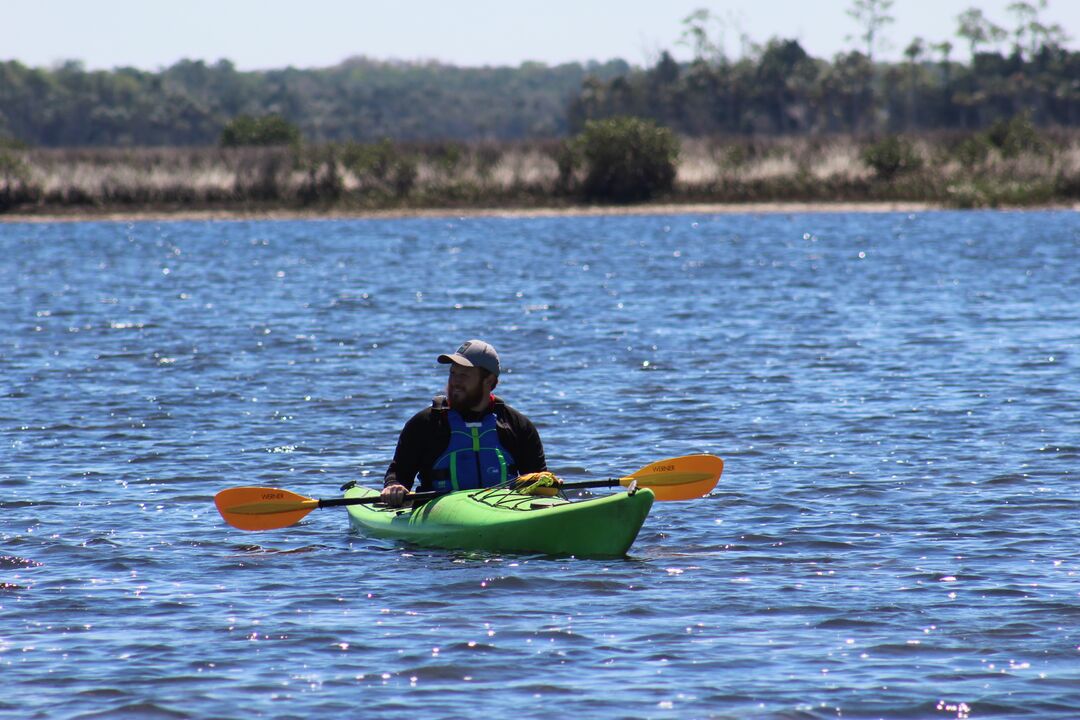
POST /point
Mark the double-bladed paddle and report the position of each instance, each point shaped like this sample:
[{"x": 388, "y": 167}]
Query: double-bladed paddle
[{"x": 263, "y": 508}]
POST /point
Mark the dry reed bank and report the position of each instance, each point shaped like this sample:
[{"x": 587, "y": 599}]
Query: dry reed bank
[{"x": 949, "y": 170}]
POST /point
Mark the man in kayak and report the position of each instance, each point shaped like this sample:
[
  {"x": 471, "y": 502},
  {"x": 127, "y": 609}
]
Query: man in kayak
[{"x": 468, "y": 438}]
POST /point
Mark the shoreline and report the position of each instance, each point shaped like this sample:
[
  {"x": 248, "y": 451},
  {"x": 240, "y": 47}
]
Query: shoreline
[{"x": 779, "y": 207}]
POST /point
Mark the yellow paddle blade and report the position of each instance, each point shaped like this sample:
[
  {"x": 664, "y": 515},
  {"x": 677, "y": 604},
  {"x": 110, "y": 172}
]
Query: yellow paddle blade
[
  {"x": 262, "y": 508},
  {"x": 681, "y": 478}
]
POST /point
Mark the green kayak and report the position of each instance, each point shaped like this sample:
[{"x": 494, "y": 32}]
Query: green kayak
[{"x": 500, "y": 520}]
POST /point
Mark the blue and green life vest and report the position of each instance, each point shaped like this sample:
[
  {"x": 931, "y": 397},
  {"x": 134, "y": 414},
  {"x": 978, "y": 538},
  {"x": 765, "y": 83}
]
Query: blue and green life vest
[{"x": 473, "y": 458}]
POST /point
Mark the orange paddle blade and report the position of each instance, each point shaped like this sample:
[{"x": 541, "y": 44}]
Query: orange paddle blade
[
  {"x": 681, "y": 478},
  {"x": 262, "y": 508}
]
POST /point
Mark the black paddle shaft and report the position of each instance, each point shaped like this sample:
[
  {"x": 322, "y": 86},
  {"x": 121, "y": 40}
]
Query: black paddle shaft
[{"x": 339, "y": 502}]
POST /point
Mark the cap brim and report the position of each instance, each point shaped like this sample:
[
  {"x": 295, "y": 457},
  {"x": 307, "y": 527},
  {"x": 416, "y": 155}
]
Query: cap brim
[{"x": 455, "y": 359}]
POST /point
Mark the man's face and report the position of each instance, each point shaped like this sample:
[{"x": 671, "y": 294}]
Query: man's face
[{"x": 465, "y": 388}]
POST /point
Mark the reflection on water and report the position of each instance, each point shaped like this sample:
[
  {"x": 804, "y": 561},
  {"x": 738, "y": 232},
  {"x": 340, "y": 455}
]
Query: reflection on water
[{"x": 895, "y": 398}]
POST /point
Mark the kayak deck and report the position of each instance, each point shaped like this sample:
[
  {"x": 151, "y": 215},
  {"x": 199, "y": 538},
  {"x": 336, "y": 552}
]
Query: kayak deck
[{"x": 500, "y": 520}]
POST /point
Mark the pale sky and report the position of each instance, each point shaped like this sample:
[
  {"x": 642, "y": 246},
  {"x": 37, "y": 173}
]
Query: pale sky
[{"x": 262, "y": 34}]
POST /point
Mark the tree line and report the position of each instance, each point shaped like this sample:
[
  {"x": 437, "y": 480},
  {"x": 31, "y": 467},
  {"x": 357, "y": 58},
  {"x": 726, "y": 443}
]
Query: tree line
[
  {"x": 771, "y": 89},
  {"x": 360, "y": 99},
  {"x": 779, "y": 89}
]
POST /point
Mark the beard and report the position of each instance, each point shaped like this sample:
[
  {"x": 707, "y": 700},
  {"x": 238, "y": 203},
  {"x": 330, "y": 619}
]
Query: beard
[{"x": 467, "y": 398}]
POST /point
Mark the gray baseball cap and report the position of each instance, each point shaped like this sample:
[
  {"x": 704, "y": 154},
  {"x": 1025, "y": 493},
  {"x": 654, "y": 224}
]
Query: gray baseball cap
[{"x": 474, "y": 353}]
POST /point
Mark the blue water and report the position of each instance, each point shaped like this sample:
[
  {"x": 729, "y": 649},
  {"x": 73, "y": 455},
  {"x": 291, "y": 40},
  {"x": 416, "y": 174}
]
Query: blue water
[{"x": 897, "y": 399}]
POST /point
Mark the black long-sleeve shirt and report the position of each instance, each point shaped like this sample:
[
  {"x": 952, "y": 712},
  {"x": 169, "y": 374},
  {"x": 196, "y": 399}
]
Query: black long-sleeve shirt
[{"x": 426, "y": 436}]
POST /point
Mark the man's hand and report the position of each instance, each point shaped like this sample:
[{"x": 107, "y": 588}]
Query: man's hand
[{"x": 393, "y": 495}]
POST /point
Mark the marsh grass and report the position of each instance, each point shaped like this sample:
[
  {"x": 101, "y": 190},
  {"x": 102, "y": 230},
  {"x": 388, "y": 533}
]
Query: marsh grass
[{"x": 951, "y": 170}]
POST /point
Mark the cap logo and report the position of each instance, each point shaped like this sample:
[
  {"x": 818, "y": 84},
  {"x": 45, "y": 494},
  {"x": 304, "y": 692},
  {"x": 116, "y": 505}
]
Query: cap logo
[{"x": 464, "y": 348}]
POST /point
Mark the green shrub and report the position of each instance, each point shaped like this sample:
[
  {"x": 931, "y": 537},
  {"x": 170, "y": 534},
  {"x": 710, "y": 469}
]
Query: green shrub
[
  {"x": 324, "y": 183},
  {"x": 1015, "y": 136},
  {"x": 383, "y": 165},
  {"x": 973, "y": 151},
  {"x": 447, "y": 157},
  {"x": 403, "y": 175},
  {"x": 15, "y": 186},
  {"x": 10, "y": 143},
  {"x": 370, "y": 161},
  {"x": 262, "y": 174},
  {"x": 891, "y": 156},
  {"x": 626, "y": 159},
  {"x": 268, "y": 130},
  {"x": 486, "y": 160},
  {"x": 735, "y": 156},
  {"x": 567, "y": 160},
  {"x": 12, "y": 167}
]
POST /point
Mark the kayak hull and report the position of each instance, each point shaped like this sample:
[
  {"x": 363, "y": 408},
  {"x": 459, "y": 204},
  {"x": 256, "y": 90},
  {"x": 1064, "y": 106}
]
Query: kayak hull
[{"x": 499, "y": 520}]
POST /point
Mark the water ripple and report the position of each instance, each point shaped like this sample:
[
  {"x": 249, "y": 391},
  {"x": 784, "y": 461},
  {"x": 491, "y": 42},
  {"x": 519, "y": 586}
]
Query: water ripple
[{"x": 894, "y": 396}]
